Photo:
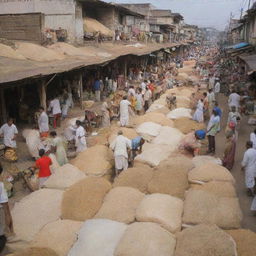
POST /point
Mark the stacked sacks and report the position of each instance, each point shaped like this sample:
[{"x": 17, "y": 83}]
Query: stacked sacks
[
  {"x": 98, "y": 238},
  {"x": 203, "y": 207},
  {"x": 36, "y": 210},
  {"x": 64, "y": 177},
  {"x": 120, "y": 204},
  {"x": 186, "y": 125},
  {"x": 204, "y": 240},
  {"x": 147, "y": 239},
  {"x": 58, "y": 236},
  {"x": 179, "y": 113},
  {"x": 83, "y": 199},
  {"x": 245, "y": 241},
  {"x": 210, "y": 172},
  {"x": 137, "y": 177},
  {"x": 201, "y": 160},
  {"x": 162, "y": 209},
  {"x": 102, "y": 163}
]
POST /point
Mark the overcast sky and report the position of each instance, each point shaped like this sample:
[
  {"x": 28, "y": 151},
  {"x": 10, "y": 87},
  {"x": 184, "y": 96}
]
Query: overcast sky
[{"x": 214, "y": 13}]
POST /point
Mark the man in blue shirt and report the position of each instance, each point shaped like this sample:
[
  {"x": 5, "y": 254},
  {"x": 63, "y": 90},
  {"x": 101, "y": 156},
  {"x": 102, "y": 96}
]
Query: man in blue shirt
[
  {"x": 218, "y": 111},
  {"x": 96, "y": 88},
  {"x": 137, "y": 144}
]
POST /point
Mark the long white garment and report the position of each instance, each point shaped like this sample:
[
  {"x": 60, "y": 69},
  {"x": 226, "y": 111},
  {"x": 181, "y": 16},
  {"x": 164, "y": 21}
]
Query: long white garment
[
  {"x": 124, "y": 112},
  {"x": 199, "y": 113},
  {"x": 65, "y": 108},
  {"x": 43, "y": 122},
  {"x": 211, "y": 82},
  {"x": 9, "y": 133},
  {"x": 80, "y": 139},
  {"x": 131, "y": 92},
  {"x": 217, "y": 87},
  {"x": 70, "y": 100},
  {"x": 120, "y": 146},
  {"x": 249, "y": 163},
  {"x": 234, "y": 100},
  {"x": 55, "y": 106},
  {"x": 253, "y": 139}
]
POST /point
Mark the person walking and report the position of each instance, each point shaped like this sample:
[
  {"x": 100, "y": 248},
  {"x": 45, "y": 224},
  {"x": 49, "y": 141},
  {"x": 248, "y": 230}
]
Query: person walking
[
  {"x": 139, "y": 101},
  {"x": 234, "y": 100},
  {"x": 80, "y": 140},
  {"x": 105, "y": 110},
  {"x": 199, "y": 113},
  {"x": 211, "y": 100},
  {"x": 253, "y": 138},
  {"x": 249, "y": 166},
  {"x": 217, "y": 88},
  {"x": 124, "y": 111},
  {"x": 120, "y": 146},
  {"x": 54, "y": 107},
  {"x": 230, "y": 150},
  {"x": 43, "y": 123},
  {"x": 147, "y": 99},
  {"x": 212, "y": 130},
  {"x": 97, "y": 88}
]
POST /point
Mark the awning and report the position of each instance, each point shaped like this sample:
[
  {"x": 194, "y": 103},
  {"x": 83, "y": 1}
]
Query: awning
[
  {"x": 237, "y": 46},
  {"x": 250, "y": 61}
]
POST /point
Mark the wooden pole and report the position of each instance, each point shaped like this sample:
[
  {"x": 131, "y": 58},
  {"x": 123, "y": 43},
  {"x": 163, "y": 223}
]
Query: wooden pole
[{"x": 3, "y": 106}]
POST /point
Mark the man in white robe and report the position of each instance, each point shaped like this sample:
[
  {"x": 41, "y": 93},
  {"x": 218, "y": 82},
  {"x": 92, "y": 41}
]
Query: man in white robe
[
  {"x": 120, "y": 147},
  {"x": 56, "y": 112},
  {"x": 234, "y": 100},
  {"x": 124, "y": 111},
  {"x": 43, "y": 122},
  {"x": 249, "y": 166},
  {"x": 9, "y": 132},
  {"x": 80, "y": 137}
]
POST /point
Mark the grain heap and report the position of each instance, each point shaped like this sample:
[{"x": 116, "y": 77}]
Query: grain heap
[
  {"x": 36, "y": 251},
  {"x": 137, "y": 177},
  {"x": 201, "y": 160},
  {"x": 63, "y": 234},
  {"x": 179, "y": 112},
  {"x": 149, "y": 128},
  {"x": 9, "y": 52},
  {"x": 186, "y": 125},
  {"x": 83, "y": 200},
  {"x": 102, "y": 161}
]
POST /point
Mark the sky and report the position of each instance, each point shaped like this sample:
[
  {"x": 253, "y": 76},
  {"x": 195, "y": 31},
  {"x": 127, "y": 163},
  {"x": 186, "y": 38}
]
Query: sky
[{"x": 204, "y": 13}]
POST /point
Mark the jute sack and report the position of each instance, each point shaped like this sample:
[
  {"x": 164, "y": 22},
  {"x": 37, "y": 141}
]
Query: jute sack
[
  {"x": 83, "y": 199},
  {"x": 162, "y": 209},
  {"x": 58, "y": 236},
  {"x": 36, "y": 251},
  {"x": 171, "y": 181},
  {"x": 245, "y": 241},
  {"x": 204, "y": 240},
  {"x": 147, "y": 239},
  {"x": 120, "y": 204},
  {"x": 95, "y": 161},
  {"x": 218, "y": 188},
  {"x": 64, "y": 177},
  {"x": 180, "y": 112},
  {"x": 149, "y": 128},
  {"x": 98, "y": 237},
  {"x": 36, "y": 210},
  {"x": 201, "y": 160},
  {"x": 158, "y": 118},
  {"x": 153, "y": 154},
  {"x": 187, "y": 125},
  {"x": 154, "y": 107},
  {"x": 203, "y": 207},
  {"x": 210, "y": 172},
  {"x": 137, "y": 177}
]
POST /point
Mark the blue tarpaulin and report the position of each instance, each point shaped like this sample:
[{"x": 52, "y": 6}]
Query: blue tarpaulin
[{"x": 237, "y": 46}]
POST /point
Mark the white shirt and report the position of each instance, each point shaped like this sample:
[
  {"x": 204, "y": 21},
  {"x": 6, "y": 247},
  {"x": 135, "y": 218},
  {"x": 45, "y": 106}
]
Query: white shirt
[
  {"x": 43, "y": 122},
  {"x": 234, "y": 100},
  {"x": 249, "y": 160},
  {"x": 55, "y": 107},
  {"x": 3, "y": 195},
  {"x": 9, "y": 132},
  {"x": 211, "y": 82},
  {"x": 80, "y": 132},
  {"x": 131, "y": 92},
  {"x": 217, "y": 87},
  {"x": 253, "y": 139},
  {"x": 143, "y": 86},
  {"x": 148, "y": 95},
  {"x": 120, "y": 146},
  {"x": 211, "y": 97},
  {"x": 124, "y": 107}
]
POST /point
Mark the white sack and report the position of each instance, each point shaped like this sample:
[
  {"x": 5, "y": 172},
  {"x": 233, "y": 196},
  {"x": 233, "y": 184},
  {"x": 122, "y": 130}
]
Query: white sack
[
  {"x": 149, "y": 128},
  {"x": 201, "y": 160},
  {"x": 180, "y": 112}
]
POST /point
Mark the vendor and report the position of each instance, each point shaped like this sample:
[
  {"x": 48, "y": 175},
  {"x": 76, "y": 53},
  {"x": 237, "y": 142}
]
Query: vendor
[
  {"x": 137, "y": 144},
  {"x": 191, "y": 142}
]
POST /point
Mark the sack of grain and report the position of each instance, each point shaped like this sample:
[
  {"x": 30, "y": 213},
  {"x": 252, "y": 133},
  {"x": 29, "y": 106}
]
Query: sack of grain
[
  {"x": 180, "y": 112},
  {"x": 154, "y": 107},
  {"x": 169, "y": 181},
  {"x": 245, "y": 241},
  {"x": 35, "y": 251},
  {"x": 203, "y": 207},
  {"x": 34, "y": 211},
  {"x": 64, "y": 177},
  {"x": 83, "y": 200},
  {"x": 218, "y": 188},
  {"x": 137, "y": 177},
  {"x": 98, "y": 238},
  {"x": 95, "y": 161},
  {"x": 201, "y": 160},
  {"x": 186, "y": 125},
  {"x": 210, "y": 172},
  {"x": 149, "y": 128},
  {"x": 147, "y": 239},
  {"x": 162, "y": 209},
  {"x": 58, "y": 236},
  {"x": 157, "y": 118},
  {"x": 120, "y": 204},
  {"x": 153, "y": 154},
  {"x": 127, "y": 132},
  {"x": 204, "y": 240},
  {"x": 168, "y": 136},
  {"x": 32, "y": 138}
]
